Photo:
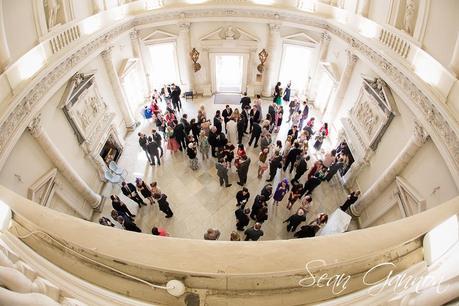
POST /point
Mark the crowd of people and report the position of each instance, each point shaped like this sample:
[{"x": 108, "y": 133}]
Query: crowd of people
[{"x": 223, "y": 136}]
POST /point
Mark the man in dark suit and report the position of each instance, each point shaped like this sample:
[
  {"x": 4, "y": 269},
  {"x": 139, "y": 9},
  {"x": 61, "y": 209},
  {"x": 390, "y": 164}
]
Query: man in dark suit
[
  {"x": 143, "y": 141},
  {"x": 272, "y": 114},
  {"x": 175, "y": 96},
  {"x": 258, "y": 204},
  {"x": 276, "y": 163},
  {"x": 245, "y": 119},
  {"x": 128, "y": 225},
  {"x": 186, "y": 124},
  {"x": 292, "y": 156},
  {"x": 226, "y": 114},
  {"x": 213, "y": 141},
  {"x": 243, "y": 170},
  {"x": 153, "y": 150},
  {"x": 218, "y": 122},
  {"x": 163, "y": 204},
  {"x": 129, "y": 190},
  {"x": 240, "y": 130},
  {"x": 256, "y": 132},
  {"x": 254, "y": 233},
  {"x": 242, "y": 217},
  {"x": 245, "y": 101},
  {"x": 254, "y": 115},
  {"x": 180, "y": 135},
  {"x": 242, "y": 196},
  {"x": 158, "y": 139},
  {"x": 301, "y": 167}
]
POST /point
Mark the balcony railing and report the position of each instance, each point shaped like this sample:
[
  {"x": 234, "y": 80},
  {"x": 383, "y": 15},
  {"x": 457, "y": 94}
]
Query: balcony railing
[{"x": 236, "y": 271}]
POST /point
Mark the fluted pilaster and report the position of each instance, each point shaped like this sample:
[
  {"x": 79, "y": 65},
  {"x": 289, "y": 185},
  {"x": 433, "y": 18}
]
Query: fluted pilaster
[{"x": 37, "y": 131}]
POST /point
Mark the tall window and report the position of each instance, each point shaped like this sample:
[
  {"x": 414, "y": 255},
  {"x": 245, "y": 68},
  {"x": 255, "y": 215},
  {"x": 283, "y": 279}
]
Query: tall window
[
  {"x": 164, "y": 64},
  {"x": 295, "y": 67}
]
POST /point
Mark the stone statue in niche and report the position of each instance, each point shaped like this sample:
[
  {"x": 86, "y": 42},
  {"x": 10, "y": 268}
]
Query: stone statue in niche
[
  {"x": 410, "y": 16},
  {"x": 52, "y": 10}
]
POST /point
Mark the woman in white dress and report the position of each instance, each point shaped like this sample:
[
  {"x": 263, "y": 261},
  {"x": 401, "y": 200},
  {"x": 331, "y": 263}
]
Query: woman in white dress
[{"x": 231, "y": 131}]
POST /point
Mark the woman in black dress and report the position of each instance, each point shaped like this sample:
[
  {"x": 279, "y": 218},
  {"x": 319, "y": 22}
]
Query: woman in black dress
[{"x": 144, "y": 190}]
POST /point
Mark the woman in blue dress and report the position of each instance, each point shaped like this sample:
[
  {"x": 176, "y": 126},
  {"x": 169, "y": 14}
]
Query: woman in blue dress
[
  {"x": 281, "y": 190},
  {"x": 278, "y": 94}
]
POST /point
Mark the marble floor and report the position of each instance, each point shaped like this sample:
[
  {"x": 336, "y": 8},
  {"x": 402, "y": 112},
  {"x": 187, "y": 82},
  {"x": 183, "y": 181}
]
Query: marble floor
[{"x": 196, "y": 198}]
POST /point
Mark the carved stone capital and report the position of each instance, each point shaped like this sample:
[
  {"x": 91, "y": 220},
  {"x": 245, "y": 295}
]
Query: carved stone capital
[
  {"x": 134, "y": 34},
  {"x": 184, "y": 26},
  {"x": 420, "y": 134},
  {"x": 35, "y": 126},
  {"x": 352, "y": 58},
  {"x": 274, "y": 27},
  {"x": 107, "y": 53},
  {"x": 325, "y": 37}
]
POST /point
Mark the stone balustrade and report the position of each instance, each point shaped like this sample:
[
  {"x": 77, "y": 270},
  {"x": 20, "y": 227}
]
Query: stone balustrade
[
  {"x": 64, "y": 38},
  {"x": 22, "y": 285},
  {"x": 395, "y": 42},
  {"x": 215, "y": 271}
]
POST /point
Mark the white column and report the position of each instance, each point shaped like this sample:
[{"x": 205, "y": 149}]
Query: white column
[
  {"x": 418, "y": 138},
  {"x": 4, "y": 50},
  {"x": 273, "y": 60},
  {"x": 129, "y": 121},
  {"x": 321, "y": 57},
  {"x": 333, "y": 108},
  {"x": 363, "y": 7},
  {"x": 137, "y": 51},
  {"x": 37, "y": 131},
  {"x": 183, "y": 50}
]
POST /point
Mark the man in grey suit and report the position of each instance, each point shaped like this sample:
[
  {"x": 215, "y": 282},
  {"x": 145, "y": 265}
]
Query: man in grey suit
[{"x": 222, "y": 172}]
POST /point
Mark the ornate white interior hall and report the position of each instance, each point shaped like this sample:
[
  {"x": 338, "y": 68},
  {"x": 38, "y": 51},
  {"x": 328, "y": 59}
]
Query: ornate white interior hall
[{"x": 77, "y": 83}]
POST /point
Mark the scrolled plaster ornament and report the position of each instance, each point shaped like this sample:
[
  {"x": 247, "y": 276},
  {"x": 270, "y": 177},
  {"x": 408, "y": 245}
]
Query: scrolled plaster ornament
[{"x": 420, "y": 133}]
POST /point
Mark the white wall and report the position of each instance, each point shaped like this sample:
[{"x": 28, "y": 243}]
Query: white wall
[
  {"x": 441, "y": 31},
  {"x": 82, "y": 8},
  {"x": 19, "y": 27},
  {"x": 378, "y": 10}
]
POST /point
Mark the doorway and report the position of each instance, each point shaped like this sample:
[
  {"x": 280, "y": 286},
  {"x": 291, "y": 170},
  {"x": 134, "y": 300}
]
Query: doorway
[{"x": 229, "y": 73}]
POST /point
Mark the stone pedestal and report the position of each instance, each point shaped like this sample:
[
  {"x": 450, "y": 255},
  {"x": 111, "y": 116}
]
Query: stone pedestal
[
  {"x": 398, "y": 164},
  {"x": 37, "y": 131},
  {"x": 107, "y": 56},
  {"x": 273, "y": 61}
]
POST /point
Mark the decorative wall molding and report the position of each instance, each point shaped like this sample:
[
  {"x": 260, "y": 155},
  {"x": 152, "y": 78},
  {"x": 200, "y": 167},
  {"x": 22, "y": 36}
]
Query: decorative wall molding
[{"x": 425, "y": 104}]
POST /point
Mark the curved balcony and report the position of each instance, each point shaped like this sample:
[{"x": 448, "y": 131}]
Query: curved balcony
[
  {"x": 267, "y": 272},
  {"x": 264, "y": 271}
]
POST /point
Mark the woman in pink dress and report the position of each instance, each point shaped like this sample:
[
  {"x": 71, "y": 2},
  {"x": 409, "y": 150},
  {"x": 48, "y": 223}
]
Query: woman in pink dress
[{"x": 172, "y": 144}]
